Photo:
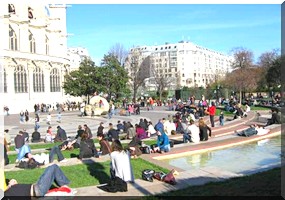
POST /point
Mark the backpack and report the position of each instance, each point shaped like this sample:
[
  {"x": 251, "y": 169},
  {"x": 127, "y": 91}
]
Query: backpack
[
  {"x": 147, "y": 175},
  {"x": 30, "y": 164}
]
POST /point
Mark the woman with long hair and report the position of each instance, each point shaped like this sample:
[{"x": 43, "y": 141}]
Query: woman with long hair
[
  {"x": 204, "y": 128},
  {"x": 120, "y": 162},
  {"x": 87, "y": 147}
]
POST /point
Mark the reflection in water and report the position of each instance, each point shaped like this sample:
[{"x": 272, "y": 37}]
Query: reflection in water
[
  {"x": 236, "y": 159},
  {"x": 199, "y": 160}
]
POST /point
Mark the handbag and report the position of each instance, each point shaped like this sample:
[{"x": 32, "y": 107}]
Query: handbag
[
  {"x": 145, "y": 150},
  {"x": 147, "y": 175}
]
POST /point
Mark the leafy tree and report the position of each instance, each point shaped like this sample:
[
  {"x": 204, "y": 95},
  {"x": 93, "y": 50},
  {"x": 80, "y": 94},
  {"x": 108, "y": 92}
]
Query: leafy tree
[
  {"x": 265, "y": 61},
  {"x": 82, "y": 81},
  {"x": 273, "y": 76},
  {"x": 114, "y": 77}
]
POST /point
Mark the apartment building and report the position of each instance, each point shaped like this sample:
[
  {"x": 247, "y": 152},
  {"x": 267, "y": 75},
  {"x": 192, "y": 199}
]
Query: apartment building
[
  {"x": 184, "y": 64},
  {"x": 76, "y": 55},
  {"x": 34, "y": 54}
]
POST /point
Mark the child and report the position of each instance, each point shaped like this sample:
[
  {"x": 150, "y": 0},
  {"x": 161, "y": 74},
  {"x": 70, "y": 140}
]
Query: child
[
  {"x": 59, "y": 117},
  {"x": 221, "y": 118}
]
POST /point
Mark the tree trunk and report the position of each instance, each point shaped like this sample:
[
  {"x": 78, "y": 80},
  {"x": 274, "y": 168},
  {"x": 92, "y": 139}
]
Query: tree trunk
[
  {"x": 240, "y": 96},
  {"x": 135, "y": 95}
]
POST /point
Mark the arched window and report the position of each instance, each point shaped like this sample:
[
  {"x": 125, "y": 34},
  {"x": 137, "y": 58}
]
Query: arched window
[
  {"x": 54, "y": 80},
  {"x": 12, "y": 39},
  {"x": 5, "y": 81},
  {"x": 20, "y": 80},
  {"x": 38, "y": 80},
  {"x": 32, "y": 43},
  {"x": 47, "y": 45}
]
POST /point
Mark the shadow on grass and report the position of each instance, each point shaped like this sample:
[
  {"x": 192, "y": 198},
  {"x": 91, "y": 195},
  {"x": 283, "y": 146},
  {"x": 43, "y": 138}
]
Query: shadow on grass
[{"x": 96, "y": 170}]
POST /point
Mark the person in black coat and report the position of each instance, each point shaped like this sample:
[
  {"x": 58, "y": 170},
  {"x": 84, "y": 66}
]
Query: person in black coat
[
  {"x": 36, "y": 136},
  {"x": 61, "y": 135},
  {"x": 275, "y": 118},
  {"x": 204, "y": 129},
  {"x": 112, "y": 134},
  {"x": 87, "y": 147}
]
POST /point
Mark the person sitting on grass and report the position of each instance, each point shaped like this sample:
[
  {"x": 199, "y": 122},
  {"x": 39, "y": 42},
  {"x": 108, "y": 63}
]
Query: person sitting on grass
[
  {"x": 140, "y": 132},
  {"x": 39, "y": 189},
  {"x": 112, "y": 134},
  {"x": 105, "y": 148},
  {"x": 22, "y": 152},
  {"x": 134, "y": 147},
  {"x": 120, "y": 163},
  {"x": 162, "y": 142},
  {"x": 36, "y": 136},
  {"x": 60, "y": 135},
  {"x": 87, "y": 147}
]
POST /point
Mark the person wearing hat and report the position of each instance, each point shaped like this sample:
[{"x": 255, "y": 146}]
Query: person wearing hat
[{"x": 162, "y": 142}]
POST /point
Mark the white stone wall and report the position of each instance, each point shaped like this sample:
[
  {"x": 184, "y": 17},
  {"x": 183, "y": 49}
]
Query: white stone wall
[{"x": 54, "y": 27}]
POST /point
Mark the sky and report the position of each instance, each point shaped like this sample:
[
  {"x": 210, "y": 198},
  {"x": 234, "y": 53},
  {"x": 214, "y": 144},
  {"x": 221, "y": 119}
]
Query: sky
[{"x": 220, "y": 27}]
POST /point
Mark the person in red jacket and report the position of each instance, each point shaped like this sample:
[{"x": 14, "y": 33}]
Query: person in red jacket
[{"x": 212, "y": 112}]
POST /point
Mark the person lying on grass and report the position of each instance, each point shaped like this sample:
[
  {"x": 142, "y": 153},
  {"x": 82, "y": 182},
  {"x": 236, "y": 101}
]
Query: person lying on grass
[
  {"x": 66, "y": 145},
  {"x": 39, "y": 189}
]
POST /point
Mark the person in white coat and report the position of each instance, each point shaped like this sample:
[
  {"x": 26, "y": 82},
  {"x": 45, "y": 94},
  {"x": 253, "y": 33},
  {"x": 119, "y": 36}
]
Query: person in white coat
[{"x": 120, "y": 163}]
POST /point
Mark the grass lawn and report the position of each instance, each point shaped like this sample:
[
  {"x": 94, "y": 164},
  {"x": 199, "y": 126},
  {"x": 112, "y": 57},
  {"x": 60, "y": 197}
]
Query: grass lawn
[
  {"x": 261, "y": 184},
  {"x": 83, "y": 174}
]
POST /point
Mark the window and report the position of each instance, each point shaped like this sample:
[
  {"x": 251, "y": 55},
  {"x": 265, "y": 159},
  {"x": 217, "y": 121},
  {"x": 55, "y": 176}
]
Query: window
[
  {"x": 54, "y": 81},
  {"x": 38, "y": 80},
  {"x": 47, "y": 45},
  {"x": 32, "y": 43},
  {"x": 12, "y": 39},
  {"x": 11, "y": 8},
  {"x": 5, "y": 81},
  {"x": 20, "y": 80}
]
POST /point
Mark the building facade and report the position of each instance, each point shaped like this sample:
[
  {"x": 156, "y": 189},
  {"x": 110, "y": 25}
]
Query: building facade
[
  {"x": 184, "y": 64},
  {"x": 34, "y": 54},
  {"x": 76, "y": 55}
]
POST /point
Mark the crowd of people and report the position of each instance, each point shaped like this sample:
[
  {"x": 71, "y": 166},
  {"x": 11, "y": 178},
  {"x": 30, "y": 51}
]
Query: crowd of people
[{"x": 188, "y": 122}]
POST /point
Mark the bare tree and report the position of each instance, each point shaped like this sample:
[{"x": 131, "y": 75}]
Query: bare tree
[
  {"x": 161, "y": 80},
  {"x": 266, "y": 59},
  {"x": 137, "y": 66},
  {"x": 243, "y": 60},
  {"x": 119, "y": 51}
]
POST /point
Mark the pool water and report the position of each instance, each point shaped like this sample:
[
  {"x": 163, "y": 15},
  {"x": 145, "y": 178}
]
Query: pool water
[{"x": 238, "y": 159}]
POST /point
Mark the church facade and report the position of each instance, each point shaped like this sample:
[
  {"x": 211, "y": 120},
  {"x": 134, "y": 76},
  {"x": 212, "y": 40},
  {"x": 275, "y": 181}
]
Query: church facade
[{"x": 34, "y": 59}]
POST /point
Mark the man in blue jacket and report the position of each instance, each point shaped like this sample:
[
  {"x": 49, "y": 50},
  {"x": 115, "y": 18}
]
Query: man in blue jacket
[{"x": 162, "y": 142}]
